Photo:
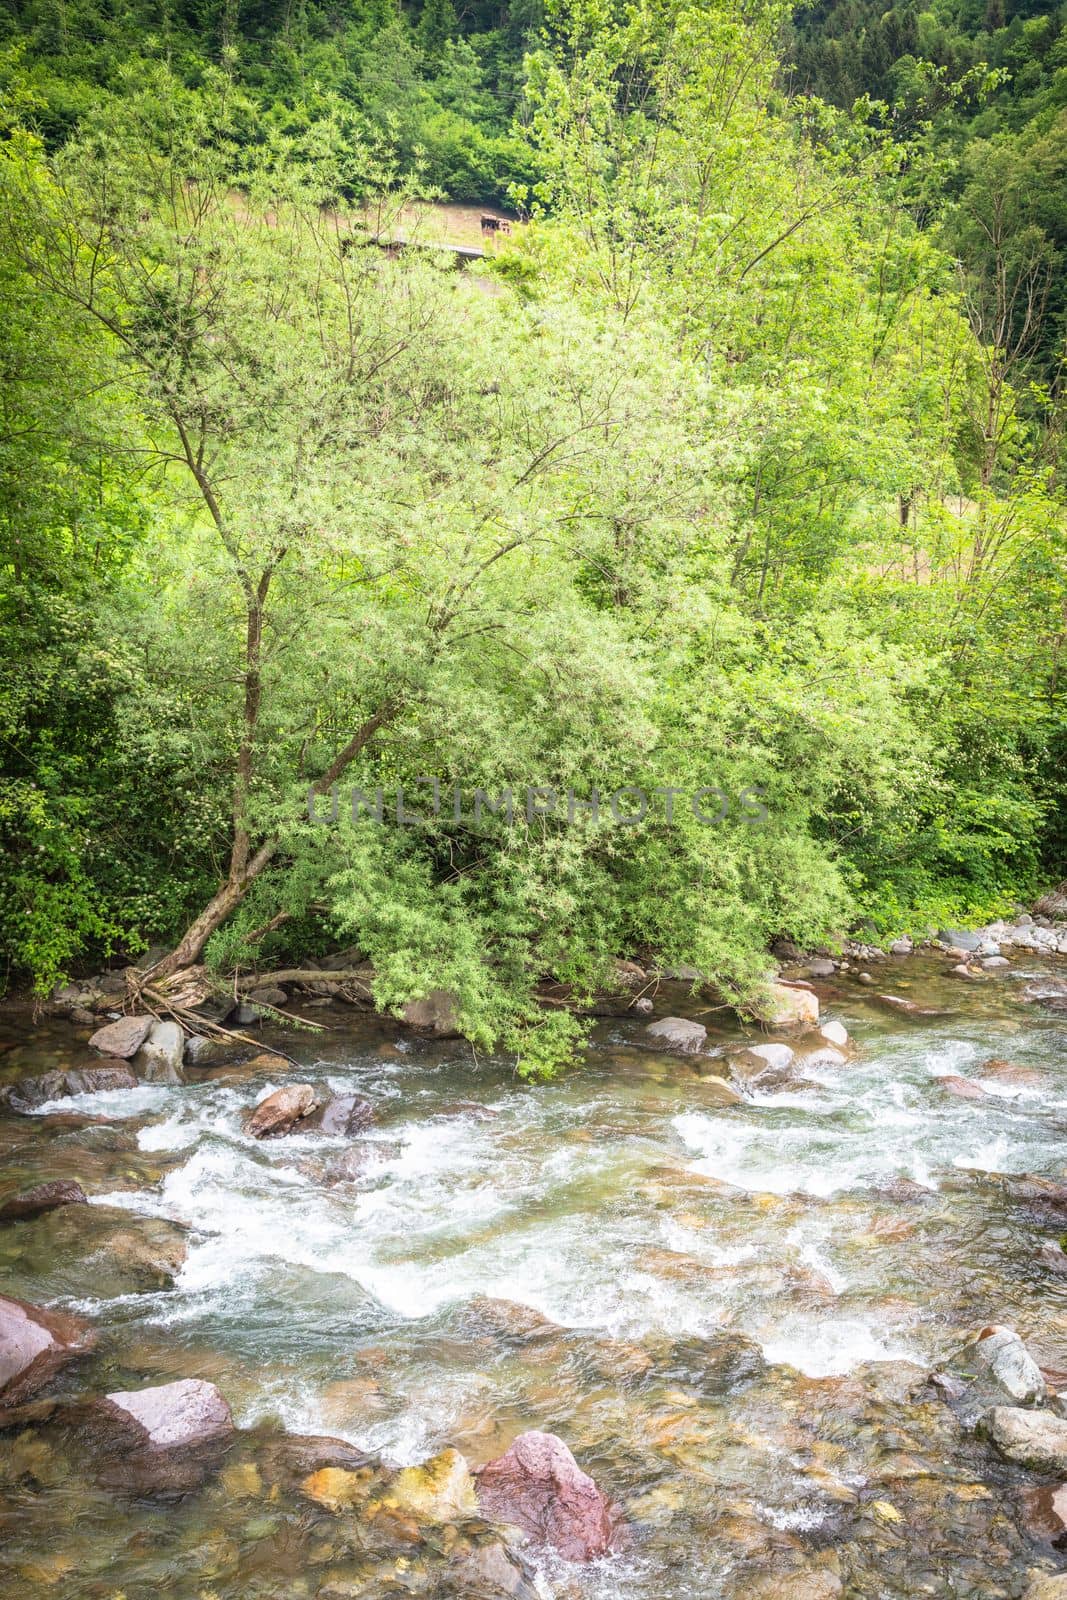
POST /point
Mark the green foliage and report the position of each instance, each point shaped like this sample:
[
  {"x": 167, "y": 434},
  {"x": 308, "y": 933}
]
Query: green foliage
[{"x": 727, "y": 482}]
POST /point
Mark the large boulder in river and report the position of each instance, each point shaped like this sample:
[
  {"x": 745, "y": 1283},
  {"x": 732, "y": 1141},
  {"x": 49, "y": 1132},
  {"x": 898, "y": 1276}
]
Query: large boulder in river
[
  {"x": 281, "y": 1110},
  {"x": 539, "y": 1487},
  {"x": 34, "y": 1344},
  {"x": 343, "y": 1116},
  {"x": 791, "y": 1006},
  {"x": 172, "y": 1416},
  {"x": 28, "y": 1094},
  {"x": 159, "y": 1059},
  {"x": 678, "y": 1033},
  {"x": 1034, "y": 1439},
  {"x": 762, "y": 1063},
  {"x": 438, "y": 1011},
  {"x": 43, "y": 1197},
  {"x": 1000, "y": 1353},
  {"x": 162, "y": 1439},
  {"x": 960, "y": 939},
  {"x": 122, "y": 1038}
]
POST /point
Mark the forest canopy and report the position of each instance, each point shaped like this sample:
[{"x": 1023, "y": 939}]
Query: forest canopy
[{"x": 737, "y": 466}]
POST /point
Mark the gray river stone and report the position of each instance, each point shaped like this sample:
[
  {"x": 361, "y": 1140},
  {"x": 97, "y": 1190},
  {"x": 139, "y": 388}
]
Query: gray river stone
[
  {"x": 122, "y": 1038},
  {"x": 1001, "y": 1353},
  {"x": 678, "y": 1033},
  {"x": 1034, "y": 1439}
]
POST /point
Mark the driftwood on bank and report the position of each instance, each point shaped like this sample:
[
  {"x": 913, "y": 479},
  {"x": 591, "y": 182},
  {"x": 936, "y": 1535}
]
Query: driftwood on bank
[{"x": 302, "y": 975}]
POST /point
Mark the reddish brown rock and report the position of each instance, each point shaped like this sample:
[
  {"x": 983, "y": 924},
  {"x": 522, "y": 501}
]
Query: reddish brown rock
[
  {"x": 1045, "y": 1512},
  {"x": 962, "y": 1088},
  {"x": 122, "y": 1038},
  {"x": 1030, "y": 1186},
  {"x": 43, "y": 1197},
  {"x": 539, "y": 1487},
  {"x": 281, "y": 1110},
  {"x": 165, "y": 1439},
  {"x": 34, "y": 1344},
  {"x": 1011, "y": 1072}
]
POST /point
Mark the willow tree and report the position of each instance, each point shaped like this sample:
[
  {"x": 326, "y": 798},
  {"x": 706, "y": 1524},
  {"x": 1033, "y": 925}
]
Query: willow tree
[{"x": 353, "y": 451}]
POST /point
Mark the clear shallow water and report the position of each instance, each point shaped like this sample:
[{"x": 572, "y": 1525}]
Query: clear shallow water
[{"x": 650, "y": 1227}]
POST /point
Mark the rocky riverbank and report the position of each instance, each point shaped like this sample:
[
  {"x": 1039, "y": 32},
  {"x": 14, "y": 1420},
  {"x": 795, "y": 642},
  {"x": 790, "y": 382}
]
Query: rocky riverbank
[{"x": 774, "y": 1310}]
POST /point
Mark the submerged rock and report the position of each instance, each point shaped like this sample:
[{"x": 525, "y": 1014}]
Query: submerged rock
[
  {"x": 34, "y": 1345},
  {"x": 808, "y": 1583},
  {"x": 1000, "y": 1352},
  {"x": 678, "y": 1033},
  {"x": 102, "y": 1250},
  {"x": 1010, "y": 1072},
  {"x": 43, "y": 1197},
  {"x": 290, "y": 1459},
  {"x": 491, "y": 1570},
  {"x": 439, "y": 1490},
  {"x": 539, "y": 1487},
  {"x": 908, "y": 1008},
  {"x": 347, "y": 1167},
  {"x": 1052, "y": 1586},
  {"x": 281, "y": 1110},
  {"x": 122, "y": 1038},
  {"x": 962, "y": 1088},
  {"x": 336, "y": 1488},
  {"x": 1033, "y": 1439},
  {"x": 1045, "y": 1512}
]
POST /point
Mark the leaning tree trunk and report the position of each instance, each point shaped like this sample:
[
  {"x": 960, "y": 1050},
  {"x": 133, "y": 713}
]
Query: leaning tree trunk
[
  {"x": 225, "y": 900},
  {"x": 244, "y": 872}
]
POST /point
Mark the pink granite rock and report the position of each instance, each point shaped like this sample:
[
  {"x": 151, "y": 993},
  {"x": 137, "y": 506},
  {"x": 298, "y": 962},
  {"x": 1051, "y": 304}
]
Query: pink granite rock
[{"x": 539, "y": 1487}]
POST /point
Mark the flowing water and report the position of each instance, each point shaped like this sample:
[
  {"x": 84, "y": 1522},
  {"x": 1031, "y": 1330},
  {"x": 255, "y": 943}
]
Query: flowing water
[{"x": 728, "y": 1313}]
